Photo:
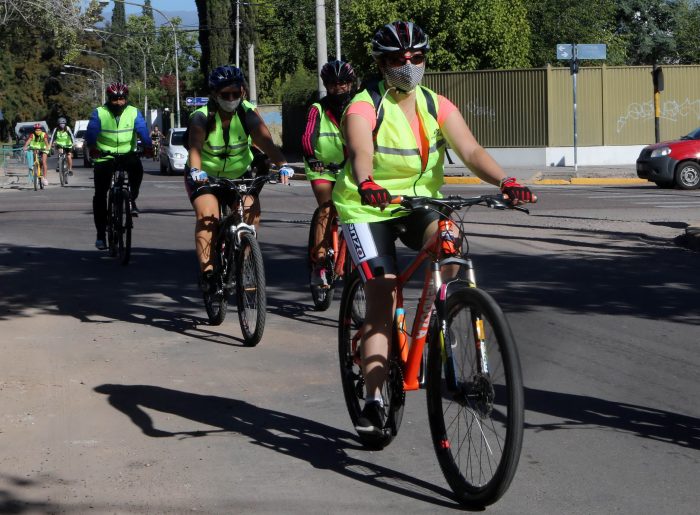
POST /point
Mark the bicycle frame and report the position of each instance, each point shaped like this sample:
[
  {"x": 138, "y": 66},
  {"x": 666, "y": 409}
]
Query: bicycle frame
[{"x": 434, "y": 293}]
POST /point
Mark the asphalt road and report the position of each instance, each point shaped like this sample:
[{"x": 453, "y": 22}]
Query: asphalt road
[{"x": 116, "y": 396}]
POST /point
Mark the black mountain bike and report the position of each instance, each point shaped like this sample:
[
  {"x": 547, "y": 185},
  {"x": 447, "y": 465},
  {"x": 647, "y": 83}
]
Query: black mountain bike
[
  {"x": 61, "y": 166},
  {"x": 119, "y": 219},
  {"x": 238, "y": 262}
]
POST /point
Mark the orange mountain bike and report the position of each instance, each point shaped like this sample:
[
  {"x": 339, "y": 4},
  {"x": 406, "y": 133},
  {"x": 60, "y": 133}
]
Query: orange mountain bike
[
  {"x": 336, "y": 263},
  {"x": 470, "y": 368}
]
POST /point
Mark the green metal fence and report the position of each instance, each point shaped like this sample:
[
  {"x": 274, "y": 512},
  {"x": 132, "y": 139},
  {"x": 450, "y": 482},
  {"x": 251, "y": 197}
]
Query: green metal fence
[{"x": 534, "y": 108}]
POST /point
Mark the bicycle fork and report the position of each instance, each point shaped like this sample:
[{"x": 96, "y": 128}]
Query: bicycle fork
[{"x": 447, "y": 346}]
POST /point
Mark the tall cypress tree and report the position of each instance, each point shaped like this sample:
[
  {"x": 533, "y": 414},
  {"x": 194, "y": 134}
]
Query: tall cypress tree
[
  {"x": 147, "y": 9},
  {"x": 216, "y": 32}
]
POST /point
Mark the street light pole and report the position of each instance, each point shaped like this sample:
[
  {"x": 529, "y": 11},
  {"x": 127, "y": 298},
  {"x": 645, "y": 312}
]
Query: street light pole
[
  {"x": 145, "y": 77},
  {"x": 102, "y": 77},
  {"x": 177, "y": 68},
  {"x": 121, "y": 70}
]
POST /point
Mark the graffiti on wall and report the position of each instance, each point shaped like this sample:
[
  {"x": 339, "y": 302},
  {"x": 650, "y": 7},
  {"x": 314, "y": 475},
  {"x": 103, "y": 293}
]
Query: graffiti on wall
[
  {"x": 480, "y": 111},
  {"x": 671, "y": 110}
]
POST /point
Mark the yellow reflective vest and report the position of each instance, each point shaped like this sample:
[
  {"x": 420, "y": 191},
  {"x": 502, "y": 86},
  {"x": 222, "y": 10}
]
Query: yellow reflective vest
[
  {"x": 118, "y": 137},
  {"x": 329, "y": 146},
  {"x": 397, "y": 164},
  {"x": 230, "y": 160}
]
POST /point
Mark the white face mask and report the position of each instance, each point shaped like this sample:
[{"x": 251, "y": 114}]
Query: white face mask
[
  {"x": 228, "y": 105},
  {"x": 404, "y": 78}
]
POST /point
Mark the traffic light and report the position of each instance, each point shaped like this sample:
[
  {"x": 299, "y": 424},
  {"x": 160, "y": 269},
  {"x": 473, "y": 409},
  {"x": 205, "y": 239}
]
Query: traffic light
[{"x": 657, "y": 75}]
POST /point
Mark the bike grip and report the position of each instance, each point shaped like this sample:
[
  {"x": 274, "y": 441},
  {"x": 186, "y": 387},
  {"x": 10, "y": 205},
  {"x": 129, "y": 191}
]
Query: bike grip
[{"x": 397, "y": 199}]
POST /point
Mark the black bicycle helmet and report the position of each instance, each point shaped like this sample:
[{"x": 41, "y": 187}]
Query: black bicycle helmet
[
  {"x": 337, "y": 71},
  {"x": 399, "y": 36},
  {"x": 223, "y": 76},
  {"x": 117, "y": 89}
]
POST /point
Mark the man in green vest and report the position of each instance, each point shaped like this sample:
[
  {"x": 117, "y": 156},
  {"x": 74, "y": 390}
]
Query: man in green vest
[
  {"x": 63, "y": 138},
  {"x": 114, "y": 128}
]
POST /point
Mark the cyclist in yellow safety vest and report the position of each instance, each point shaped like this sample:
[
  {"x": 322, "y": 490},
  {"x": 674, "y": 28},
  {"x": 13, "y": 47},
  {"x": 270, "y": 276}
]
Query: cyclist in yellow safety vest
[
  {"x": 113, "y": 128},
  {"x": 220, "y": 136},
  {"x": 322, "y": 146},
  {"x": 395, "y": 133},
  {"x": 38, "y": 141},
  {"x": 63, "y": 138}
]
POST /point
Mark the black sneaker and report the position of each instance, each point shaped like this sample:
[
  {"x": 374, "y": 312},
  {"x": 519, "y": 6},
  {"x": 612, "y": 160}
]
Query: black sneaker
[
  {"x": 134, "y": 210},
  {"x": 100, "y": 242},
  {"x": 372, "y": 420},
  {"x": 206, "y": 282}
]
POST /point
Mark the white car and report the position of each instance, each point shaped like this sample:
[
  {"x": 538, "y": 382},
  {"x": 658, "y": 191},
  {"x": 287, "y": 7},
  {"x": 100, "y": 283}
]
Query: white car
[{"x": 173, "y": 154}]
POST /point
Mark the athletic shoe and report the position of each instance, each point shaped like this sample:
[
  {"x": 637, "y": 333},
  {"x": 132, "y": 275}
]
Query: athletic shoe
[
  {"x": 45, "y": 181},
  {"x": 371, "y": 419},
  {"x": 70, "y": 172},
  {"x": 318, "y": 277},
  {"x": 134, "y": 210},
  {"x": 206, "y": 282},
  {"x": 100, "y": 243}
]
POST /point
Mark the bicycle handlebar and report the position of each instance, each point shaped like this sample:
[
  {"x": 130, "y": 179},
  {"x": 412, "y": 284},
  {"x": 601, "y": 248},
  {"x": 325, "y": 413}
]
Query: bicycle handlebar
[{"x": 455, "y": 202}]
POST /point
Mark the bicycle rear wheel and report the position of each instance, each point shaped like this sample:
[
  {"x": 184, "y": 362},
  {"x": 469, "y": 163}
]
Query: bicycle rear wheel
[
  {"x": 477, "y": 427},
  {"x": 250, "y": 290},
  {"x": 124, "y": 229},
  {"x": 350, "y": 319},
  {"x": 322, "y": 295},
  {"x": 113, "y": 208}
]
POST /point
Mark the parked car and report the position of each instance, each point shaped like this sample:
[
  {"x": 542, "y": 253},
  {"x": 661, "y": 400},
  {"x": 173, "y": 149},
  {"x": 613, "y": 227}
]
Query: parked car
[
  {"x": 672, "y": 163},
  {"x": 79, "y": 135},
  {"x": 173, "y": 153}
]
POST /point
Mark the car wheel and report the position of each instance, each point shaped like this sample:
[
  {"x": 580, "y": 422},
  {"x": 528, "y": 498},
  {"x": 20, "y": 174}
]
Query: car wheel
[
  {"x": 688, "y": 175},
  {"x": 170, "y": 168}
]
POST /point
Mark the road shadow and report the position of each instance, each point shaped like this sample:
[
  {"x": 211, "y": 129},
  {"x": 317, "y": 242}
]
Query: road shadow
[
  {"x": 323, "y": 447},
  {"x": 581, "y": 411},
  {"x": 11, "y": 502}
]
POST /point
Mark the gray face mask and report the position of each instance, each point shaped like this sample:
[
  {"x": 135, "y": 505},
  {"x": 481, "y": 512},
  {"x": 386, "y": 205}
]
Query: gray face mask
[
  {"x": 404, "y": 78},
  {"x": 228, "y": 105}
]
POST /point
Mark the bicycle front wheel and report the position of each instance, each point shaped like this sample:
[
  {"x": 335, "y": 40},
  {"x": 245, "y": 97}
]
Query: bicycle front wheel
[
  {"x": 62, "y": 171},
  {"x": 475, "y": 398},
  {"x": 124, "y": 229},
  {"x": 351, "y": 317},
  {"x": 250, "y": 290},
  {"x": 35, "y": 172}
]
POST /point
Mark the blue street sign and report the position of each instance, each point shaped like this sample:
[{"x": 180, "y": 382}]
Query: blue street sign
[
  {"x": 196, "y": 101},
  {"x": 564, "y": 51},
  {"x": 591, "y": 51}
]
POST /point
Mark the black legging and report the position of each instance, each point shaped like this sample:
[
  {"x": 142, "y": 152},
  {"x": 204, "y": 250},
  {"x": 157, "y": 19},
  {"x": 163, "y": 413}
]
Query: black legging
[{"x": 103, "y": 178}]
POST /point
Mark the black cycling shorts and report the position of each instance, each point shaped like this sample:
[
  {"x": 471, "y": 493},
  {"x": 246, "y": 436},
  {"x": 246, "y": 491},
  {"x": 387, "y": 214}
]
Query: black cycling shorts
[{"x": 372, "y": 245}]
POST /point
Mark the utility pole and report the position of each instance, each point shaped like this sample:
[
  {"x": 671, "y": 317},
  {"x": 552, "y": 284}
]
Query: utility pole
[
  {"x": 337, "y": 29},
  {"x": 321, "y": 48},
  {"x": 238, "y": 32},
  {"x": 252, "y": 88}
]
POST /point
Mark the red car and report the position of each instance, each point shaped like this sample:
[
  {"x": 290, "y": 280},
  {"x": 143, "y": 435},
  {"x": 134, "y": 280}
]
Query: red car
[{"x": 672, "y": 163}]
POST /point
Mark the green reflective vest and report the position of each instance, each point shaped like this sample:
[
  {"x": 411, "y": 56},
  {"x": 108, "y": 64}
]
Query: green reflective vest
[
  {"x": 397, "y": 162},
  {"x": 38, "y": 142},
  {"x": 116, "y": 136},
  {"x": 231, "y": 160},
  {"x": 329, "y": 146},
  {"x": 63, "y": 139}
]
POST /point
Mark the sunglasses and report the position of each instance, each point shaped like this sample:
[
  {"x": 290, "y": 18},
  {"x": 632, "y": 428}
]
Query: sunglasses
[
  {"x": 230, "y": 95},
  {"x": 400, "y": 59},
  {"x": 117, "y": 97}
]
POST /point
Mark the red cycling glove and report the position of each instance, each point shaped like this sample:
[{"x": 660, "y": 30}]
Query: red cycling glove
[
  {"x": 515, "y": 191},
  {"x": 372, "y": 193}
]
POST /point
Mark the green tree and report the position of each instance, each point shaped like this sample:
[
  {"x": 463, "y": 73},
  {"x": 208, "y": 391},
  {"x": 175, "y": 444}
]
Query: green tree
[
  {"x": 464, "y": 34},
  {"x": 573, "y": 22},
  {"x": 687, "y": 32},
  {"x": 648, "y": 28}
]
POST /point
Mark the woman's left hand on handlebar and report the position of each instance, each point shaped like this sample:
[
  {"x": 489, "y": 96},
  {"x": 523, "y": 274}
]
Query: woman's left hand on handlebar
[{"x": 516, "y": 192}]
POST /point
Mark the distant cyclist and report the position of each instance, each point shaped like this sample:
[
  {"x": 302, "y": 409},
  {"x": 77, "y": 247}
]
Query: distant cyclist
[
  {"x": 220, "y": 143},
  {"x": 38, "y": 141},
  {"x": 400, "y": 152},
  {"x": 156, "y": 137},
  {"x": 322, "y": 146},
  {"x": 113, "y": 128},
  {"x": 63, "y": 138}
]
